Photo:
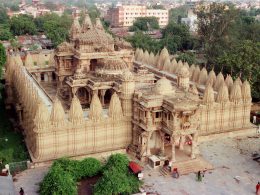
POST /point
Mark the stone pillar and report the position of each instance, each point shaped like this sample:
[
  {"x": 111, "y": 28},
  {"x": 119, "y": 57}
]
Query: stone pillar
[
  {"x": 46, "y": 77},
  {"x": 102, "y": 93},
  {"x": 162, "y": 143},
  {"x": 181, "y": 144},
  {"x": 173, "y": 159},
  {"x": 148, "y": 152}
]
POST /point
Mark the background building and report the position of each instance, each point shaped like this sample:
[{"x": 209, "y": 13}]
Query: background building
[{"x": 125, "y": 15}]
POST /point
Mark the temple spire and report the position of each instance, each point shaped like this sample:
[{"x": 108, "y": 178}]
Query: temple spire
[
  {"x": 115, "y": 109},
  {"x": 76, "y": 112},
  {"x": 87, "y": 24},
  {"x": 96, "y": 109}
]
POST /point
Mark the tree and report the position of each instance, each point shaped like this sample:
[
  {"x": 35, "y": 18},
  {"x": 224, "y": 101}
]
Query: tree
[
  {"x": 55, "y": 27},
  {"x": 176, "y": 13},
  {"x": 22, "y": 24},
  {"x": 141, "y": 40},
  {"x": 50, "y": 5},
  {"x": 188, "y": 57},
  {"x": 58, "y": 182},
  {"x": 145, "y": 24},
  {"x": 116, "y": 178},
  {"x": 177, "y": 37},
  {"x": 214, "y": 22},
  {"x": 243, "y": 59},
  {"x": 2, "y": 58},
  {"x": 4, "y": 19},
  {"x": 5, "y": 33}
]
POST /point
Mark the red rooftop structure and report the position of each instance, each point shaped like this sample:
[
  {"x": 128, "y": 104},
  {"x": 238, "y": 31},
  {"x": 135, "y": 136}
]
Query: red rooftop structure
[{"x": 136, "y": 168}]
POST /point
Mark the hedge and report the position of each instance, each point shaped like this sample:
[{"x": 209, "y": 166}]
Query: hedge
[{"x": 64, "y": 173}]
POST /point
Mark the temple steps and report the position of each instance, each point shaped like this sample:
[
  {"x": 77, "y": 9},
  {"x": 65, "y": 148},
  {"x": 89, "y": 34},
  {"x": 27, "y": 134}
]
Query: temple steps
[
  {"x": 192, "y": 166},
  {"x": 165, "y": 172}
]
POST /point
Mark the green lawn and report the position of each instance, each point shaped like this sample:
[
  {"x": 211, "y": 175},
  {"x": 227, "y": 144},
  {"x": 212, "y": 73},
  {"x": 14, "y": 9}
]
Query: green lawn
[{"x": 14, "y": 149}]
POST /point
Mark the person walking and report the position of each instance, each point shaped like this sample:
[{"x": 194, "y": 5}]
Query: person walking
[
  {"x": 257, "y": 189},
  {"x": 21, "y": 192},
  {"x": 199, "y": 176}
]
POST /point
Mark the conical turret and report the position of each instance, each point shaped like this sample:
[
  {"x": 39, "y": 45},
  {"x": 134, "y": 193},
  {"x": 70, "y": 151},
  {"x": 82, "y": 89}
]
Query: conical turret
[
  {"x": 203, "y": 76},
  {"x": 167, "y": 65},
  {"x": 238, "y": 80},
  {"x": 42, "y": 117},
  {"x": 76, "y": 112},
  {"x": 164, "y": 55},
  {"x": 229, "y": 82},
  {"x": 219, "y": 80},
  {"x": 146, "y": 57},
  {"x": 191, "y": 69},
  {"x": 211, "y": 78},
  {"x": 179, "y": 66},
  {"x": 196, "y": 74},
  {"x": 28, "y": 61},
  {"x": 235, "y": 95},
  {"x": 140, "y": 55},
  {"x": 99, "y": 24},
  {"x": 57, "y": 114},
  {"x": 246, "y": 91},
  {"x": 208, "y": 97},
  {"x": 75, "y": 28},
  {"x": 18, "y": 60},
  {"x": 87, "y": 24},
  {"x": 96, "y": 109},
  {"x": 115, "y": 109},
  {"x": 222, "y": 93}
]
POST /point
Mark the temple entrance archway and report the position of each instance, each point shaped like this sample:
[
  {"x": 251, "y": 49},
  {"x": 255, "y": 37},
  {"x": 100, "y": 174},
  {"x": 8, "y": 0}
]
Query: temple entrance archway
[
  {"x": 83, "y": 95},
  {"x": 155, "y": 142},
  {"x": 107, "y": 96}
]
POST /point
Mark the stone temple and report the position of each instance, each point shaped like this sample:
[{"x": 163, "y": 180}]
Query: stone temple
[{"x": 94, "y": 95}]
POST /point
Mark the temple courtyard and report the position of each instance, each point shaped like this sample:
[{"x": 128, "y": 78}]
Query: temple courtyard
[{"x": 234, "y": 172}]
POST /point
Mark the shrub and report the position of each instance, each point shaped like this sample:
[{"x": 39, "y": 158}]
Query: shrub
[
  {"x": 58, "y": 182},
  {"x": 118, "y": 161},
  {"x": 90, "y": 167},
  {"x": 116, "y": 182},
  {"x": 71, "y": 167}
]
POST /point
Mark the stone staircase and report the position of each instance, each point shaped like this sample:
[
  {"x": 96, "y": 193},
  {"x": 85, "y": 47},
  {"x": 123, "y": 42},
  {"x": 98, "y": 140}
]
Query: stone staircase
[
  {"x": 165, "y": 172},
  {"x": 192, "y": 166}
]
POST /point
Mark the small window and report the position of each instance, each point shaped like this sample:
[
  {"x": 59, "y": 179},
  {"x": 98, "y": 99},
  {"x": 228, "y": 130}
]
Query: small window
[
  {"x": 157, "y": 163},
  {"x": 157, "y": 115},
  {"x": 42, "y": 77}
]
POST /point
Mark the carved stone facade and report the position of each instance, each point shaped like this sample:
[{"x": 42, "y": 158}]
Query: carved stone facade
[{"x": 91, "y": 98}]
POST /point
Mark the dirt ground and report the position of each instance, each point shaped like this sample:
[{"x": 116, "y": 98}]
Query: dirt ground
[{"x": 235, "y": 172}]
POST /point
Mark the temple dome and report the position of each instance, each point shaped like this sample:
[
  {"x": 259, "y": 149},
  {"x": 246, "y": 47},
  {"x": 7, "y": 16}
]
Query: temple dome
[
  {"x": 163, "y": 86},
  {"x": 112, "y": 66},
  {"x": 64, "y": 47}
]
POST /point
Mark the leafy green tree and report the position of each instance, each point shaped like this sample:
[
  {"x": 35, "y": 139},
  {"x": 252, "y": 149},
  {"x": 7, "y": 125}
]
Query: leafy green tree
[
  {"x": 145, "y": 24},
  {"x": 243, "y": 59},
  {"x": 58, "y": 182},
  {"x": 141, "y": 40},
  {"x": 116, "y": 178},
  {"x": 90, "y": 167},
  {"x": 22, "y": 24},
  {"x": 116, "y": 182},
  {"x": 50, "y": 5},
  {"x": 214, "y": 22},
  {"x": 2, "y": 58},
  {"x": 187, "y": 57},
  {"x": 55, "y": 27},
  {"x": 5, "y": 33},
  {"x": 4, "y": 19},
  {"x": 177, "y": 37},
  {"x": 176, "y": 13}
]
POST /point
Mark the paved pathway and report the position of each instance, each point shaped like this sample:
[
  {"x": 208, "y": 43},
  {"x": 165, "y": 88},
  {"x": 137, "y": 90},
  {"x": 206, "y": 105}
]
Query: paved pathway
[
  {"x": 29, "y": 180},
  {"x": 225, "y": 155}
]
